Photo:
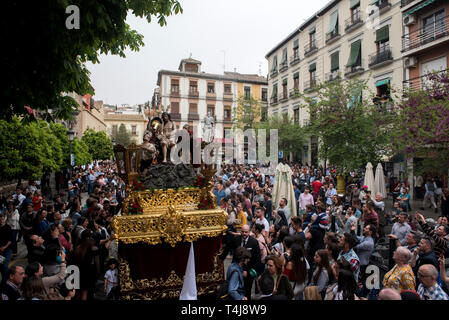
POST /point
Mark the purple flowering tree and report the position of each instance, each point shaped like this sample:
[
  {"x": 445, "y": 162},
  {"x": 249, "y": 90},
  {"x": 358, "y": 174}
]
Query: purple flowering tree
[{"x": 422, "y": 126}]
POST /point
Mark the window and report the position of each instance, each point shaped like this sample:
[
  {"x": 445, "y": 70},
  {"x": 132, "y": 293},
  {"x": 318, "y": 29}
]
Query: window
[
  {"x": 174, "y": 107},
  {"x": 383, "y": 88},
  {"x": 434, "y": 26},
  {"x": 296, "y": 80},
  {"x": 383, "y": 39},
  {"x": 264, "y": 94},
  {"x": 193, "y": 87},
  {"x": 227, "y": 114},
  {"x": 312, "y": 73},
  {"x": 174, "y": 86},
  {"x": 284, "y": 88},
  {"x": 247, "y": 93},
  {"x": 355, "y": 14},
  {"x": 296, "y": 49},
  {"x": 335, "y": 57},
  {"x": 134, "y": 130},
  {"x": 210, "y": 88},
  {"x": 296, "y": 115},
  {"x": 227, "y": 89},
  {"x": 210, "y": 110},
  {"x": 312, "y": 40},
  {"x": 193, "y": 108}
]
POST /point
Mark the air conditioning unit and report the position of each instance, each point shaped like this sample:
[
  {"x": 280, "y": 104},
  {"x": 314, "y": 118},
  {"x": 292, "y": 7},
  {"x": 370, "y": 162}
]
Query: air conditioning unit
[
  {"x": 409, "y": 20},
  {"x": 411, "y": 62}
]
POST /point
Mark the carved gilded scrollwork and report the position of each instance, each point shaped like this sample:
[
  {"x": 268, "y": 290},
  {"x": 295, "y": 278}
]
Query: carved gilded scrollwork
[{"x": 152, "y": 289}]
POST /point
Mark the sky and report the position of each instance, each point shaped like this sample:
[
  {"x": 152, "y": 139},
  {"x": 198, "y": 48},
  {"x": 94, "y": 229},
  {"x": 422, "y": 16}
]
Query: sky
[{"x": 234, "y": 33}]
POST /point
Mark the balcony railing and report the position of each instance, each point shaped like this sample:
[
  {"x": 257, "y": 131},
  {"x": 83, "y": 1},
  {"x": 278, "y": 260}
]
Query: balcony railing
[
  {"x": 419, "y": 82},
  {"x": 351, "y": 71},
  {"x": 425, "y": 35},
  {"x": 273, "y": 73},
  {"x": 283, "y": 66},
  {"x": 294, "y": 93},
  {"x": 310, "y": 48},
  {"x": 383, "y": 6},
  {"x": 283, "y": 97},
  {"x": 274, "y": 100},
  {"x": 194, "y": 94},
  {"x": 330, "y": 37},
  {"x": 353, "y": 22},
  {"x": 310, "y": 85},
  {"x": 294, "y": 59},
  {"x": 331, "y": 76},
  {"x": 193, "y": 116},
  {"x": 380, "y": 57}
]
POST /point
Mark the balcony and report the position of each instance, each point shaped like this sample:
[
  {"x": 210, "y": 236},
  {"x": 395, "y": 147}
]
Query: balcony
[
  {"x": 310, "y": 85},
  {"x": 175, "y": 116},
  {"x": 193, "y": 116},
  {"x": 310, "y": 49},
  {"x": 283, "y": 66},
  {"x": 273, "y": 74},
  {"x": 294, "y": 93},
  {"x": 193, "y": 94},
  {"x": 426, "y": 37},
  {"x": 354, "y": 22},
  {"x": 333, "y": 36},
  {"x": 283, "y": 97},
  {"x": 274, "y": 101},
  {"x": 380, "y": 59},
  {"x": 294, "y": 60},
  {"x": 352, "y": 71},
  {"x": 383, "y": 6},
  {"x": 418, "y": 82},
  {"x": 331, "y": 76},
  {"x": 227, "y": 96},
  {"x": 174, "y": 92}
]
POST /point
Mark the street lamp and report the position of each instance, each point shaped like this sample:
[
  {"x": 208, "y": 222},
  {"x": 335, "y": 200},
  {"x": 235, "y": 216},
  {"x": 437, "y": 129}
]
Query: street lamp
[{"x": 71, "y": 137}]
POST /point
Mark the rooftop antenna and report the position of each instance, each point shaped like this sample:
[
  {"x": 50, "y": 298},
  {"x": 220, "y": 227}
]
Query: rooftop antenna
[
  {"x": 224, "y": 60},
  {"x": 190, "y": 57}
]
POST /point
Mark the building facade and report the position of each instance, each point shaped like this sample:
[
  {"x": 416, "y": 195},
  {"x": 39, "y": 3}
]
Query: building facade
[
  {"x": 346, "y": 39},
  {"x": 190, "y": 94},
  {"x": 135, "y": 124},
  {"x": 425, "y": 42}
]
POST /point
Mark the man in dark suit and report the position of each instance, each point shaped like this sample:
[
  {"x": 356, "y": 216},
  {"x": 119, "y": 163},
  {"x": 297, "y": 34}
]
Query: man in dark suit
[{"x": 252, "y": 245}]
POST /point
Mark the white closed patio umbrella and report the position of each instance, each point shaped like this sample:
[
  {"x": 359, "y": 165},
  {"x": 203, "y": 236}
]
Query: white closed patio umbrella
[
  {"x": 369, "y": 179},
  {"x": 379, "y": 182}
]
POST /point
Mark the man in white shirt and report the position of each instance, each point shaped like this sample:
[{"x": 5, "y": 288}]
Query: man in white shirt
[
  {"x": 260, "y": 219},
  {"x": 401, "y": 229},
  {"x": 18, "y": 196},
  {"x": 283, "y": 207},
  {"x": 330, "y": 193}
]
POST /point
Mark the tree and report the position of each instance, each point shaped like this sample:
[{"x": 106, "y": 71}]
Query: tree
[
  {"x": 28, "y": 150},
  {"x": 291, "y": 137},
  {"x": 351, "y": 130},
  {"x": 99, "y": 144},
  {"x": 81, "y": 152},
  {"x": 246, "y": 112},
  {"x": 122, "y": 136},
  {"x": 422, "y": 125},
  {"x": 47, "y": 56}
]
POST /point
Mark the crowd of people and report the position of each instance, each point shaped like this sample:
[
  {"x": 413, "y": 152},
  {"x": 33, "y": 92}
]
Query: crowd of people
[
  {"x": 59, "y": 229},
  {"x": 323, "y": 253}
]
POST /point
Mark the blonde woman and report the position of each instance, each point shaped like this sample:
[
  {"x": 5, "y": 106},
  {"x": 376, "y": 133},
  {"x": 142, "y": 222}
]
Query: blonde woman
[{"x": 401, "y": 277}]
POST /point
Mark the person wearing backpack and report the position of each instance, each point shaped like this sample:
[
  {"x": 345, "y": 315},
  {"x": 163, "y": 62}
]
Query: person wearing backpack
[{"x": 234, "y": 275}]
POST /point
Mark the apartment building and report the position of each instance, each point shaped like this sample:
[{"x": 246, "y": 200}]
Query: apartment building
[
  {"x": 425, "y": 43},
  {"x": 190, "y": 94},
  {"x": 347, "y": 39}
]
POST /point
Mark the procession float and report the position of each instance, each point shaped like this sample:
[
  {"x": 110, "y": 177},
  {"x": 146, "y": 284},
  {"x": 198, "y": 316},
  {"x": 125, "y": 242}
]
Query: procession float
[{"x": 168, "y": 208}]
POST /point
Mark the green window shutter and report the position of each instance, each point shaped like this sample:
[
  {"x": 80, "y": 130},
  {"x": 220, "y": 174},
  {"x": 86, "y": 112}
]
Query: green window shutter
[
  {"x": 383, "y": 82},
  {"x": 374, "y": 2},
  {"x": 275, "y": 91},
  {"x": 296, "y": 75},
  {"x": 335, "y": 63},
  {"x": 312, "y": 30},
  {"x": 383, "y": 34},
  {"x": 284, "y": 56},
  {"x": 312, "y": 67},
  {"x": 284, "y": 82},
  {"x": 355, "y": 52},
  {"x": 333, "y": 22},
  {"x": 275, "y": 63},
  {"x": 354, "y": 3},
  {"x": 422, "y": 5},
  {"x": 296, "y": 44}
]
